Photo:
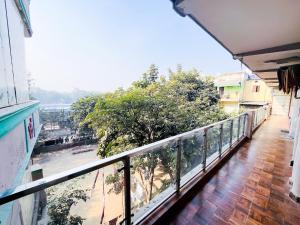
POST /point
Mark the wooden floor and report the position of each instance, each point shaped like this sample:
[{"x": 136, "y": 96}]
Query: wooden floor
[{"x": 252, "y": 187}]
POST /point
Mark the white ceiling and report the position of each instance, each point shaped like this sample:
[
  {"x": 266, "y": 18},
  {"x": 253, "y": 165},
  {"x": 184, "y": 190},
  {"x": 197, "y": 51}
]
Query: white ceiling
[{"x": 246, "y": 26}]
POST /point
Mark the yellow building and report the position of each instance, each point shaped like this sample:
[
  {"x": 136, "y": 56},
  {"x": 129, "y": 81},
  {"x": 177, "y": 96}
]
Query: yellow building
[
  {"x": 230, "y": 87},
  {"x": 242, "y": 90},
  {"x": 255, "y": 93}
]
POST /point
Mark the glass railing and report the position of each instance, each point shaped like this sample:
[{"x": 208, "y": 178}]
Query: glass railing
[
  {"x": 259, "y": 115},
  {"x": 126, "y": 187}
]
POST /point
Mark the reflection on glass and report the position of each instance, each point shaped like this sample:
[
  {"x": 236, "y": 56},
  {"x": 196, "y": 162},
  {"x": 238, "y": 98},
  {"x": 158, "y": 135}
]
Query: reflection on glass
[
  {"x": 93, "y": 198},
  {"x": 259, "y": 116},
  {"x": 98, "y": 197},
  {"x": 226, "y": 135},
  {"x": 242, "y": 125},
  {"x": 192, "y": 155},
  {"x": 235, "y": 127},
  {"x": 152, "y": 178},
  {"x": 213, "y": 142},
  {"x": 21, "y": 211}
]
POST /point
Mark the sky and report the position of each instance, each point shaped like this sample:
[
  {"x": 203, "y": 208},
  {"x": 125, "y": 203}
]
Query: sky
[{"x": 100, "y": 45}]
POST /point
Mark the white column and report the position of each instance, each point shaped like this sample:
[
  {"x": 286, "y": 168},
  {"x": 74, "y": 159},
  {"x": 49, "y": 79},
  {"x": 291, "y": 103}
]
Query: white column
[
  {"x": 295, "y": 124},
  {"x": 294, "y": 116},
  {"x": 296, "y": 156}
]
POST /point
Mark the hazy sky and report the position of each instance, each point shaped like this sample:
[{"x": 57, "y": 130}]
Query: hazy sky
[{"x": 100, "y": 45}]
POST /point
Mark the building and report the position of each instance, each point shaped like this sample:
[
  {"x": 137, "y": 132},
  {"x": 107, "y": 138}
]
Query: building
[
  {"x": 19, "y": 119},
  {"x": 230, "y": 87},
  {"x": 242, "y": 90},
  {"x": 256, "y": 93}
]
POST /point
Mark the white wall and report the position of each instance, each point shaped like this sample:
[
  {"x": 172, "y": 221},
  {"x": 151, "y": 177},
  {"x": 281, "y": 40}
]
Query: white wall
[
  {"x": 13, "y": 152},
  {"x": 13, "y": 90},
  {"x": 12, "y": 56},
  {"x": 6, "y": 75},
  {"x": 280, "y": 103},
  {"x": 16, "y": 27}
]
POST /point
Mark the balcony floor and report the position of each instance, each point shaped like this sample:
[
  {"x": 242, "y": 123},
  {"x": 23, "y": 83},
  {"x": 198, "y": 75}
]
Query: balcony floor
[{"x": 252, "y": 187}]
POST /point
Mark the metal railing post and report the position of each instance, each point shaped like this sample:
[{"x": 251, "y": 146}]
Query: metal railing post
[
  {"x": 239, "y": 124},
  {"x": 178, "y": 164},
  {"x": 204, "y": 149},
  {"x": 127, "y": 197},
  {"x": 221, "y": 140},
  {"x": 231, "y": 131},
  {"x": 244, "y": 124},
  {"x": 254, "y": 120}
]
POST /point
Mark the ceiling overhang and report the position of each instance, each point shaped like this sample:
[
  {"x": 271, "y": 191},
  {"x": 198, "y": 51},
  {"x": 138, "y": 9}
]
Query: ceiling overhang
[{"x": 264, "y": 35}]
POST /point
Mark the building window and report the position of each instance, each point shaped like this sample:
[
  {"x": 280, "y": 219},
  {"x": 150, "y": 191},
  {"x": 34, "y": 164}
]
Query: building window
[{"x": 255, "y": 88}]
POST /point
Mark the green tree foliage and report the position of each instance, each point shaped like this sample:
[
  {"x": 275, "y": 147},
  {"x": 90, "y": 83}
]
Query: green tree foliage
[
  {"x": 60, "y": 204},
  {"x": 79, "y": 111},
  {"x": 151, "y": 109},
  {"x": 148, "y": 78},
  {"x": 143, "y": 114}
]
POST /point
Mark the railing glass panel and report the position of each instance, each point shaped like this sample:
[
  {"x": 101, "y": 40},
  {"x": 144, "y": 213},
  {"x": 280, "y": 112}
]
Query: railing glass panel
[
  {"x": 213, "y": 143},
  {"x": 226, "y": 135},
  {"x": 192, "y": 150},
  {"x": 152, "y": 178},
  {"x": 108, "y": 191},
  {"x": 20, "y": 211},
  {"x": 242, "y": 126},
  {"x": 235, "y": 129},
  {"x": 259, "y": 116},
  {"x": 93, "y": 198}
]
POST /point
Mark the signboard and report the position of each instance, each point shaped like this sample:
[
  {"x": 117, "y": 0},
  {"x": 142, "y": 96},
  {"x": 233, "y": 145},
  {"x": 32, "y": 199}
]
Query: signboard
[{"x": 30, "y": 132}]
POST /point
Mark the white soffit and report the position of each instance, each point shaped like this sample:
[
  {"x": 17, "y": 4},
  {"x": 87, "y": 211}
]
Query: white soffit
[
  {"x": 270, "y": 78},
  {"x": 266, "y": 61},
  {"x": 254, "y": 31}
]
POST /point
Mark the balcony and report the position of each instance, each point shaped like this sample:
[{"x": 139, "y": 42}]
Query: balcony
[
  {"x": 252, "y": 188},
  {"x": 213, "y": 175}
]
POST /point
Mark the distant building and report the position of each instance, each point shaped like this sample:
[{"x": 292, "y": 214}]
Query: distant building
[
  {"x": 242, "y": 90},
  {"x": 255, "y": 93},
  {"x": 19, "y": 119},
  {"x": 230, "y": 87}
]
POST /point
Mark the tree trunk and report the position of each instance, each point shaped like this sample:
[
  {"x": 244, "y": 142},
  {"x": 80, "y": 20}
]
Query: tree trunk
[
  {"x": 171, "y": 176},
  {"x": 151, "y": 182},
  {"x": 143, "y": 183}
]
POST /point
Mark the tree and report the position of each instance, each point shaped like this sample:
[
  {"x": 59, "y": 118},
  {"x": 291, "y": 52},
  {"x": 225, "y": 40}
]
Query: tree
[
  {"x": 148, "y": 78},
  {"x": 79, "y": 111},
  {"x": 60, "y": 204},
  {"x": 150, "y": 110}
]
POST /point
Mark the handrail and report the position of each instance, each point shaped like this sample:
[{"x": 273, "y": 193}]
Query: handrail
[
  {"x": 32, "y": 187},
  {"x": 38, "y": 185}
]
